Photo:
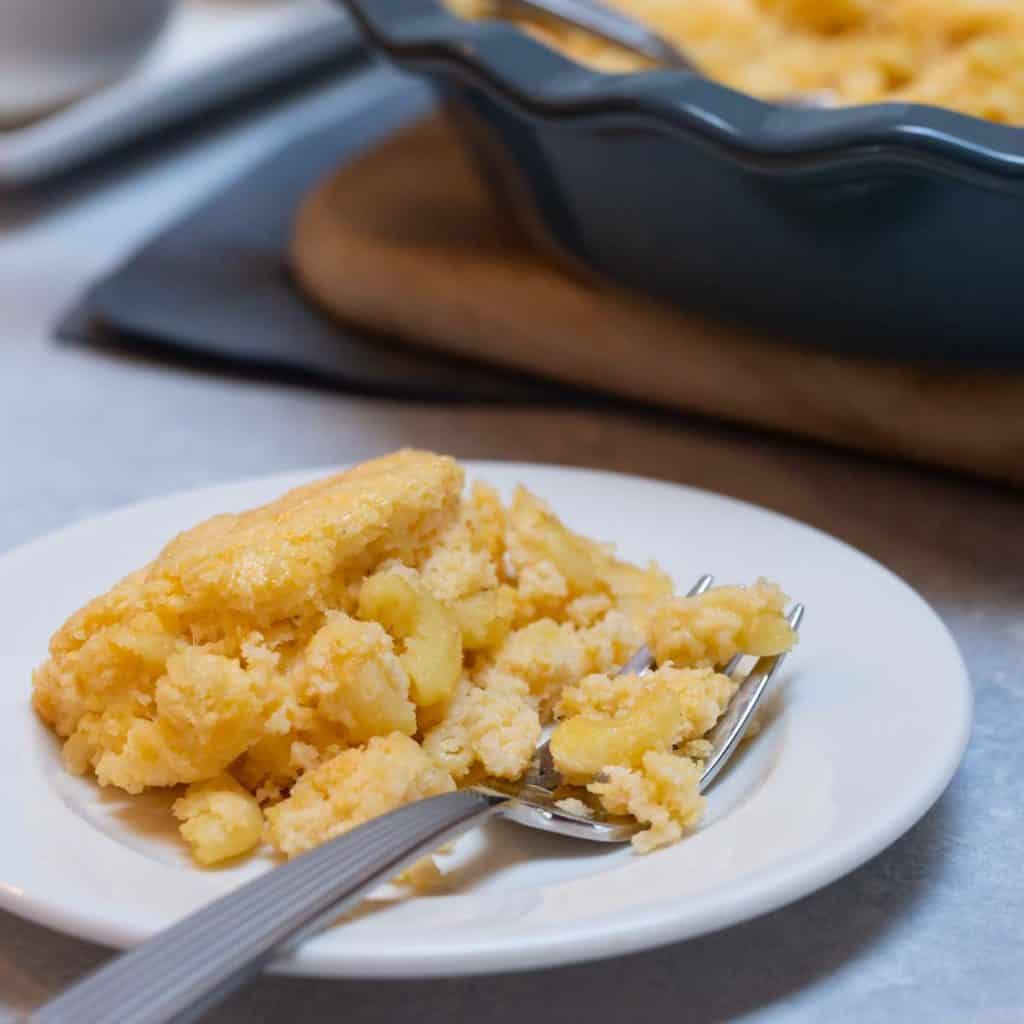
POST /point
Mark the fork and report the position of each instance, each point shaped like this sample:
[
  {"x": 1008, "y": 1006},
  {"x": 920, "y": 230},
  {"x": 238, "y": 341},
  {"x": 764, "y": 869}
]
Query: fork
[
  {"x": 188, "y": 968},
  {"x": 622, "y": 29},
  {"x": 607, "y": 23}
]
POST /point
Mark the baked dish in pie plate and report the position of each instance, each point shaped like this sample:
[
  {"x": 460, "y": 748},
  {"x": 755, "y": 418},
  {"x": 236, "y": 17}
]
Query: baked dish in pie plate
[{"x": 841, "y": 225}]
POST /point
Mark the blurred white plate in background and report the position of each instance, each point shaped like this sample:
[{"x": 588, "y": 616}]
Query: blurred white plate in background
[
  {"x": 55, "y": 51},
  {"x": 213, "y": 51}
]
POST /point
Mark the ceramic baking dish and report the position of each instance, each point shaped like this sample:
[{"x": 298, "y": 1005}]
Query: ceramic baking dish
[{"x": 889, "y": 230}]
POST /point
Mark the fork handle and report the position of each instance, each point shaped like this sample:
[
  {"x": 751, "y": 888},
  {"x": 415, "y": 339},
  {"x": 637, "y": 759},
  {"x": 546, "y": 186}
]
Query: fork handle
[{"x": 183, "y": 971}]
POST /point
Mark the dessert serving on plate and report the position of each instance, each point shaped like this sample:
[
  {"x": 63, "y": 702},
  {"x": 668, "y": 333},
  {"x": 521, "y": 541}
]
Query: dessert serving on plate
[{"x": 381, "y": 635}]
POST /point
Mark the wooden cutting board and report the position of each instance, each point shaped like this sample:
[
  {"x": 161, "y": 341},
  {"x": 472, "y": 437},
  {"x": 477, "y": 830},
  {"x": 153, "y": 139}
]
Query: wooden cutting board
[{"x": 407, "y": 241}]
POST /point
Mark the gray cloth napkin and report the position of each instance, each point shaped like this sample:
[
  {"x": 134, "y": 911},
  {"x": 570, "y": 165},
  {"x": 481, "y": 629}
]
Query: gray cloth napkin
[{"x": 214, "y": 289}]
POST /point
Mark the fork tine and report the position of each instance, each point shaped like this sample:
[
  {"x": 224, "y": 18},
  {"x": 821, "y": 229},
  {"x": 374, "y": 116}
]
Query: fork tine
[
  {"x": 731, "y": 727},
  {"x": 732, "y": 664},
  {"x": 702, "y": 584},
  {"x": 606, "y": 23},
  {"x": 796, "y": 616}
]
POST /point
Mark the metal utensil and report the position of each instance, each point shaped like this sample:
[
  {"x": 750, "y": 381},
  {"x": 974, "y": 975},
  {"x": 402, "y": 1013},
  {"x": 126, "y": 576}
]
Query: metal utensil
[
  {"x": 624, "y": 30},
  {"x": 183, "y": 971},
  {"x": 610, "y": 24}
]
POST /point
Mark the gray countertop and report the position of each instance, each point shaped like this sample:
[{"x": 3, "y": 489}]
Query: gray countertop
[{"x": 933, "y": 929}]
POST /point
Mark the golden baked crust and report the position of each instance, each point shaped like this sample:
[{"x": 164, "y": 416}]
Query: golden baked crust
[
  {"x": 254, "y": 569},
  {"x": 377, "y": 637},
  {"x": 177, "y": 671}
]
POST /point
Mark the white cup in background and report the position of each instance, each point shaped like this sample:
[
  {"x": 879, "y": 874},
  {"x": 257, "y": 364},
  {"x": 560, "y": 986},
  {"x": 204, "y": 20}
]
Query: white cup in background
[{"x": 54, "y": 51}]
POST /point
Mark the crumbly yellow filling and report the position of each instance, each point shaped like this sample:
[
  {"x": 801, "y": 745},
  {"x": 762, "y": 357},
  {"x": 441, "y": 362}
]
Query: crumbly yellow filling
[
  {"x": 710, "y": 629},
  {"x": 380, "y": 636},
  {"x": 352, "y": 787},
  {"x": 219, "y": 819},
  {"x": 967, "y": 55},
  {"x": 661, "y": 792}
]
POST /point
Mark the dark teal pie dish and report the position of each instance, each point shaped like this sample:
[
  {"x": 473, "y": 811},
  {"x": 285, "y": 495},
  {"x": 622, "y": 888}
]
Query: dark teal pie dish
[{"x": 893, "y": 230}]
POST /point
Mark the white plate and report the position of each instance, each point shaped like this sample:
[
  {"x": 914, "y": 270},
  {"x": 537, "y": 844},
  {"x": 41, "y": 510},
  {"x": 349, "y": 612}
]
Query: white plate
[
  {"x": 212, "y": 52},
  {"x": 868, "y": 724}
]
